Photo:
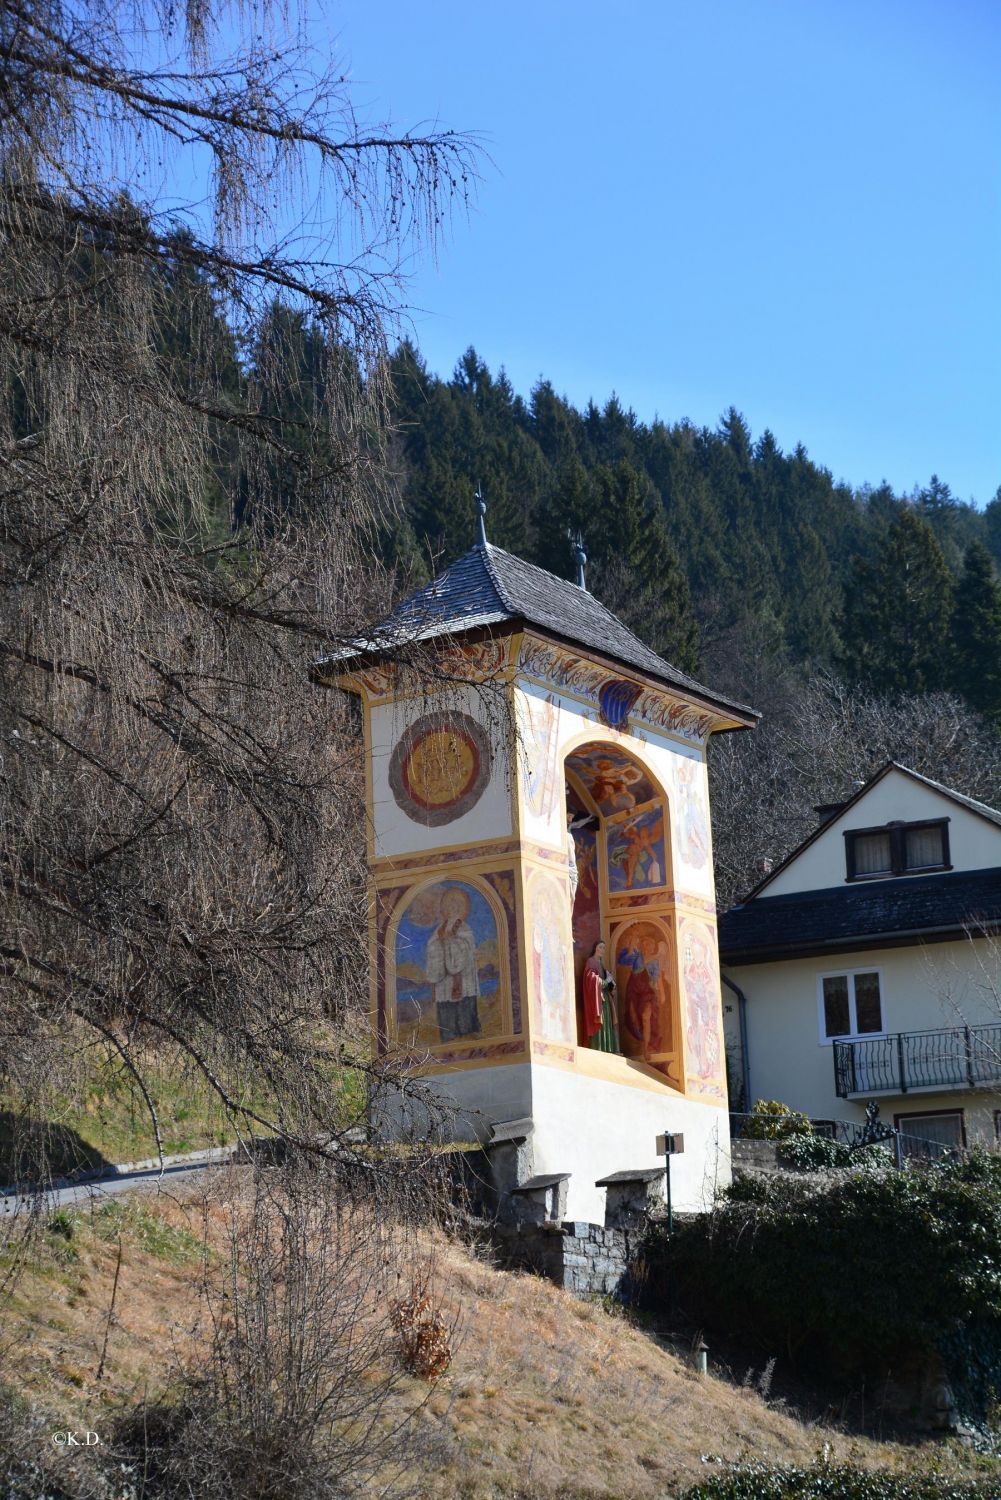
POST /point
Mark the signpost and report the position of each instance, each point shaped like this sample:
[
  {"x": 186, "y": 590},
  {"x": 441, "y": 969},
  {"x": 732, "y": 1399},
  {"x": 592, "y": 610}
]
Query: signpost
[{"x": 668, "y": 1146}]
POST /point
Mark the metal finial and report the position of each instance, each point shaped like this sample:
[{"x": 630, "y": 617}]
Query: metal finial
[
  {"x": 581, "y": 556},
  {"x": 481, "y": 512}
]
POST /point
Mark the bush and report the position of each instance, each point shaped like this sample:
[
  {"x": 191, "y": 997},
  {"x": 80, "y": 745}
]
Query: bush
[
  {"x": 819, "y": 1153},
  {"x": 824, "y": 1481},
  {"x": 871, "y": 1273},
  {"x": 771, "y": 1120}
]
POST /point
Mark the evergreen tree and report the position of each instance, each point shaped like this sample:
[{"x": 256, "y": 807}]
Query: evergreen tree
[
  {"x": 992, "y": 526},
  {"x": 976, "y": 634},
  {"x": 898, "y": 609},
  {"x": 635, "y": 569}
]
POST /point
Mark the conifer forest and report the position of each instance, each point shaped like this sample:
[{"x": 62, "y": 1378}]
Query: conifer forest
[{"x": 226, "y": 462}]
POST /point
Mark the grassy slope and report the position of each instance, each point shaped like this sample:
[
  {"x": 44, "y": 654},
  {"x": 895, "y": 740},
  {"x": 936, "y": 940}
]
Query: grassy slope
[
  {"x": 546, "y": 1396},
  {"x": 95, "y": 1116}
]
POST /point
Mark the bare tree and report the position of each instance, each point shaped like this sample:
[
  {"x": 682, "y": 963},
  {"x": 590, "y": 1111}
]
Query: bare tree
[
  {"x": 819, "y": 741},
  {"x": 302, "y": 1386},
  {"x": 181, "y": 847}
]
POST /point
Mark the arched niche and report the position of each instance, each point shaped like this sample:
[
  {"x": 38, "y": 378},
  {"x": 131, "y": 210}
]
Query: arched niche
[
  {"x": 620, "y": 821},
  {"x": 446, "y": 962}
]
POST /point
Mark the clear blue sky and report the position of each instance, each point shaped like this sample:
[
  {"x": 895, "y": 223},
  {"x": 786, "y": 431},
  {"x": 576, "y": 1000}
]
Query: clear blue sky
[{"x": 794, "y": 208}]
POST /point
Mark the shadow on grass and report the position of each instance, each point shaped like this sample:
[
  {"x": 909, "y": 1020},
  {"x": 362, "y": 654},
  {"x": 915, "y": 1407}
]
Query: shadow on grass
[{"x": 36, "y": 1151}]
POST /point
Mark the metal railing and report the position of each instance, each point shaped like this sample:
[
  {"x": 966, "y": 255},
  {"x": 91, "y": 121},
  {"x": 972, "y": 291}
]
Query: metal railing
[
  {"x": 901, "y": 1145},
  {"x": 952, "y": 1057}
]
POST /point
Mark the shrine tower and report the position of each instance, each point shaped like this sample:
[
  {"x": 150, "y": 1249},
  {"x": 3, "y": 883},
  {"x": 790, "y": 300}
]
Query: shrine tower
[{"x": 547, "y": 730}]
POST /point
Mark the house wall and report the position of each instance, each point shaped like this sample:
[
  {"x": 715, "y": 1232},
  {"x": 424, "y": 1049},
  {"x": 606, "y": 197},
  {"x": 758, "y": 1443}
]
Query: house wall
[
  {"x": 974, "y": 843},
  {"x": 922, "y": 988}
]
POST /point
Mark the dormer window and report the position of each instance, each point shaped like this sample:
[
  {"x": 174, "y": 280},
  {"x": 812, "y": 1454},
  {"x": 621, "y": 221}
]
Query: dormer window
[{"x": 897, "y": 849}]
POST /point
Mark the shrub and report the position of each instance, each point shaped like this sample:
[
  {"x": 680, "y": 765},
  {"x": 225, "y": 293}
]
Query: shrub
[
  {"x": 824, "y": 1481},
  {"x": 771, "y": 1120},
  {"x": 870, "y": 1273},
  {"x": 818, "y": 1153},
  {"x": 425, "y": 1348}
]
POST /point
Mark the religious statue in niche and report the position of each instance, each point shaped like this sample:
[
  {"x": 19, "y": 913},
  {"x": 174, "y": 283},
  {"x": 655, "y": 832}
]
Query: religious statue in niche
[
  {"x": 447, "y": 966},
  {"x": 549, "y": 957},
  {"x": 636, "y": 860},
  {"x": 439, "y": 768},
  {"x": 642, "y": 967},
  {"x": 705, "y": 1052},
  {"x": 600, "y": 1018}
]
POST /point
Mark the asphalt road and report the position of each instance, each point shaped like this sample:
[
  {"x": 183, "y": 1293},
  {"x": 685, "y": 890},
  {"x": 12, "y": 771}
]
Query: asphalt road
[{"x": 84, "y": 1193}]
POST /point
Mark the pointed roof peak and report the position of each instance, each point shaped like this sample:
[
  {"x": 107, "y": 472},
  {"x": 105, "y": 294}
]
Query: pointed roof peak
[{"x": 490, "y": 587}]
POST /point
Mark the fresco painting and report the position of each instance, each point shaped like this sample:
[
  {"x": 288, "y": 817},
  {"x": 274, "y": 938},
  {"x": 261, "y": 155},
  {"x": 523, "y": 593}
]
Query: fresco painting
[
  {"x": 586, "y": 909},
  {"x": 636, "y": 852},
  {"x": 540, "y": 739},
  {"x": 693, "y": 827},
  {"x": 643, "y": 978},
  {"x": 447, "y": 967},
  {"x": 553, "y": 1004},
  {"x": 704, "y": 1047},
  {"x": 440, "y": 768},
  {"x": 612, "y": 778}
]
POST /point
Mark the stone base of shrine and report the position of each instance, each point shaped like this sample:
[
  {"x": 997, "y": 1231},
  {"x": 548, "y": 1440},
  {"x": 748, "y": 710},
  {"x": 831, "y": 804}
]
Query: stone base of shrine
[
  {"x": 586, "y": 1259},
  {"x": 582, "y": 1123}
]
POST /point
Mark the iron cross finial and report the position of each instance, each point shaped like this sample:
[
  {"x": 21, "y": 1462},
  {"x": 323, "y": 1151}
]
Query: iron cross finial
[{"x": 580, "y": 555}]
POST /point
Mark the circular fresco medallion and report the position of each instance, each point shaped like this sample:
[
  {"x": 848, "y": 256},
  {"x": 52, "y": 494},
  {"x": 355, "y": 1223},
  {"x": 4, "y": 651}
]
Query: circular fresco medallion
[{"x": 439, "y": 768}]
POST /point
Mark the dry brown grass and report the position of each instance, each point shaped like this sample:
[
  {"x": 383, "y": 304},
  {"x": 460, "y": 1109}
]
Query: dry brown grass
[
  {"x": 546, "y": 1396},
  {"x": 549, "y": 1396}
]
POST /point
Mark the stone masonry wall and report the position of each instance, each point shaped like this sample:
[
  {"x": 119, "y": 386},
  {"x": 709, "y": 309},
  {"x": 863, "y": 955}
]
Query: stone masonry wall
[{"x": 586, "y": 1259}]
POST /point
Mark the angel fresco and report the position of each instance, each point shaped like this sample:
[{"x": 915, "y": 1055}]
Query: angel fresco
[
  {"x": 616, "y": 783},
  {"x": 636, "y": 858}
]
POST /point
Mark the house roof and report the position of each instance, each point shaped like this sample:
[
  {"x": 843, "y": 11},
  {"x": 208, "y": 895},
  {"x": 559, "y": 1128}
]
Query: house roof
[
  {"x": 980, "y": 808},
  {"x": 873, "y": 914},
  {"x": 488, "y": 586}
]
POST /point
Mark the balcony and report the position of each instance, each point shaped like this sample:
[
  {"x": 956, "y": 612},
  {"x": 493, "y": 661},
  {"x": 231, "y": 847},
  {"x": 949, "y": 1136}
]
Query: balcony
[{"x": 958, "y": 1057}]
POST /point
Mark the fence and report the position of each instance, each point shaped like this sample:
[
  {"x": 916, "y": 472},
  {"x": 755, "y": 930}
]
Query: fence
[
  {"x": 959, "y": 1056},
  {"x": 903, "y": 1145}
]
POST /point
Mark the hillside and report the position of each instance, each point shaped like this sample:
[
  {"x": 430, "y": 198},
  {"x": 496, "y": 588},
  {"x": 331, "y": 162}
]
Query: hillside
[{"x": 546, "y": 1396}]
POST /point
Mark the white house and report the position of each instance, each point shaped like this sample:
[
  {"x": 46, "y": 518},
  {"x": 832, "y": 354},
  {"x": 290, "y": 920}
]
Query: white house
[{"x": 865, "y": 966}]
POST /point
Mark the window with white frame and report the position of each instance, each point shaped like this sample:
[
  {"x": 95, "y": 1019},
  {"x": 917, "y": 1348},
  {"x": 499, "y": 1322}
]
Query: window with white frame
[
  {"x": 897, "y": 849},
  {"x": 851, "y": 1004},
  {"x": 932, "y": 1136}
]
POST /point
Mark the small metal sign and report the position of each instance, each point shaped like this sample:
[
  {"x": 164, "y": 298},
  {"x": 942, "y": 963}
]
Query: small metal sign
[{"x": 670, "y": 1145}]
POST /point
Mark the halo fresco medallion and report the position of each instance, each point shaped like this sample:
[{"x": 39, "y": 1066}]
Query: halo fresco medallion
[{"x": 439, "y": 768}]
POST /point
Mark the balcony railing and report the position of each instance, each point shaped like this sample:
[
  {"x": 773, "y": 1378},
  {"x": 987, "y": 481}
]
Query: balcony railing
[{"x": 955, "y": 1057}]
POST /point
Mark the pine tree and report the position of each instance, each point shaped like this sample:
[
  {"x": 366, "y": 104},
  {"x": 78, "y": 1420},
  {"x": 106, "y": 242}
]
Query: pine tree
[
  {"x": 976, "y": 634},
  {"x": 897, "y": 610},
  {"x": 992, "y": 526},
  {"x": 636, "y": 570}
]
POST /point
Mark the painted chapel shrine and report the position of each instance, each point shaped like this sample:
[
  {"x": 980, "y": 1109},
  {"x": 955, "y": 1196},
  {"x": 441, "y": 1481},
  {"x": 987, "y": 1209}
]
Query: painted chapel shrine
[{"x": 544, "y": 794}]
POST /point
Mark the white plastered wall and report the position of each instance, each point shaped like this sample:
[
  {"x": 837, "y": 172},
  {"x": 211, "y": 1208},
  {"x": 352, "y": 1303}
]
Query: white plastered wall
[
  {"x": 589, "y": 1127},
  {"x": 592, "y": 1127},
  {"x": 921, "y": 987},
  {"x": 974, "y": 842},
  {"x": 466, "y": 1103},
  {"x": 489, "y": 818}
]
